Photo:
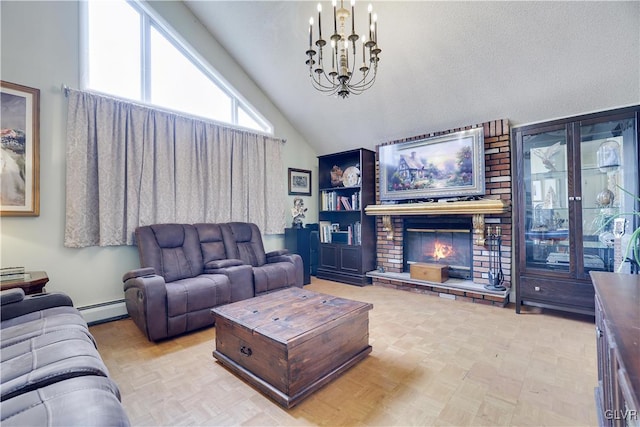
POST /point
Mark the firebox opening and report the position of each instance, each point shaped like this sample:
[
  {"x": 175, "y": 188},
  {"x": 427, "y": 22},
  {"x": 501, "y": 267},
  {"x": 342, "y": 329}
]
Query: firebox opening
[{"x": 446, "y": 241}]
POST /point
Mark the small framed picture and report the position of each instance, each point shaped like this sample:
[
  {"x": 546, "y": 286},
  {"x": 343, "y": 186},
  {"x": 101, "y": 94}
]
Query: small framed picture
[
  {"x": 335, "y": 227},
  {"x": 20, "y": 151},
  {"x": 299, "y": 182},
  {"x": 536, "y": 191}
]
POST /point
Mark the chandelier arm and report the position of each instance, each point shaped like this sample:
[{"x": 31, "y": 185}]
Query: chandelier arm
[
  {"x": 318, "y": 84},
  {"x": 364, "y": 84}
]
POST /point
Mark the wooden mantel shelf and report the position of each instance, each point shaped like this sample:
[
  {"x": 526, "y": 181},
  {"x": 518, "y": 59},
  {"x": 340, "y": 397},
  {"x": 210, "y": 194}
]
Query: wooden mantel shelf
[{"x": 472, "y": 207}]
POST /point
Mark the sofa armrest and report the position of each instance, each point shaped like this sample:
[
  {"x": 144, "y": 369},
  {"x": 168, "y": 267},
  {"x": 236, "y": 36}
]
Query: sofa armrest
[
  {"x": 139, "y": 272},
  {"x": 211, "y": 266},
  {"x": 11, "y": 296},
  {"x": 146, "y": 300},
  {"x": 277, "y": 253},
  {"x": 15, "y": 303}
]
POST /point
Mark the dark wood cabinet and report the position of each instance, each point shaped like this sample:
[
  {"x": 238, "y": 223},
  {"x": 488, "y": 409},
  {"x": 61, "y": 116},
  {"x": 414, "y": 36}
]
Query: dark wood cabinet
[
  {"x": 303, "y": 241},
  {"x": 617, "y": 302},
  {"x": 573, "y": 176},
  {"x": 347, "y": 248}
]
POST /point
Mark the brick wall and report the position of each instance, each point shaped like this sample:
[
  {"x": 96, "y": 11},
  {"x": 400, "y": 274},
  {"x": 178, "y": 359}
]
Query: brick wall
[{"x": 497, "y": 146}]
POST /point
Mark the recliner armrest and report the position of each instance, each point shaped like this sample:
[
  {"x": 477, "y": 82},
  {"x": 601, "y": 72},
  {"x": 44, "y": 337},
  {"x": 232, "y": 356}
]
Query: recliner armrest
[
  {"x": 280, "y": 258},
  {"x": 146, "y": 300},
  {"x": 11, "y": 296},
  {"x": 139, "y": 272},
  {"x": 16, "y": 304},
  {"x": 277, "y": 253},
  {"x": 222, "y": 263}
]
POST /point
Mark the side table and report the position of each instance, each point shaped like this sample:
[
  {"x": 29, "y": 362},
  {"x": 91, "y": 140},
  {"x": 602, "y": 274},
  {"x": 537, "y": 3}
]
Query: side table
[{"x": 32, "y": 283}]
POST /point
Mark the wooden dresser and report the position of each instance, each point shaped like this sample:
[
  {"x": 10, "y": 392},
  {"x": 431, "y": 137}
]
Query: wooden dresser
[{"x": 617, "y": 304}]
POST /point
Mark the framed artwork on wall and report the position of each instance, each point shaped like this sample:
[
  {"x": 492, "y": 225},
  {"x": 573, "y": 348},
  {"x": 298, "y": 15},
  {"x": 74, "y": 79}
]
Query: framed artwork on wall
[
  {"x": 299, "y": 182},
  {"x": 19, "y": 150},
  {"x": 450, "y": 165}
]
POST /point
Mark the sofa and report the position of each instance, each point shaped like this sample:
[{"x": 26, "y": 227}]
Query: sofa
[
  {"x": 51, "y": 372},
  {"x": 188, "y": 269}
]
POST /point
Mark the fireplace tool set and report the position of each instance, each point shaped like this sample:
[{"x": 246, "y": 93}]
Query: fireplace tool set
[{"x": 496, "y": 276}]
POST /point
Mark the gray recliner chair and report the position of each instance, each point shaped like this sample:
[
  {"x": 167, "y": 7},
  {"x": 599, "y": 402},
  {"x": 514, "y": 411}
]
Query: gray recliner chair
[
  {"x": 271, "y": 271},
  {"x": 171, "y": 293}
]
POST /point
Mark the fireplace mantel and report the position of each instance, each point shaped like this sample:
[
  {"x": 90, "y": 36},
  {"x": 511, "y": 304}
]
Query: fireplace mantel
[
  {"x": 476, "y": 208},
  {"x": 471, "y": 207}
]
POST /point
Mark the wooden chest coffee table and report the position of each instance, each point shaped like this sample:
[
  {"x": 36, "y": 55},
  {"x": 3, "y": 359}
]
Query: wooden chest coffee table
[{"x": 290, "y": 343}]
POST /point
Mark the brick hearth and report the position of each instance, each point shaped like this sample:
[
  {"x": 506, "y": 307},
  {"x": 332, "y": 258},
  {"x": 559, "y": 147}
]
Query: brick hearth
[{"x": 497, "y": 148}]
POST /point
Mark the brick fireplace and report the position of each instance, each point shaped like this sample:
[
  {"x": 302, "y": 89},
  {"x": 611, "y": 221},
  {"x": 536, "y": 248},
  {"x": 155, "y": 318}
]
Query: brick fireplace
[{"x": 474, "y": 217}]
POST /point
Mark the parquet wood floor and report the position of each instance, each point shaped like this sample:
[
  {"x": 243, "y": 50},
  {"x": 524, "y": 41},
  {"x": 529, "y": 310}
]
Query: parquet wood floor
[{"x": 434, "y": 362}]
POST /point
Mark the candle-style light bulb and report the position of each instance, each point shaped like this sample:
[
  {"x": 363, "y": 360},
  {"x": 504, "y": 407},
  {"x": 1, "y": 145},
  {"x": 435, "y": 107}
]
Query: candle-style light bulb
[
  {"x": 335, "y": 23},
  {"x": 375, "y": 28},
  {"x": 370, "y": 9},
  {"x": 364, "y": 42},
  {"x": 319, "y": 21},
  {"x": 353, "y": 14},
  {"x": 310, "y": 32}
]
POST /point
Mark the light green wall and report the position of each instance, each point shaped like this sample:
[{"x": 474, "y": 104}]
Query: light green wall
[{"x": 40, "y": 49}]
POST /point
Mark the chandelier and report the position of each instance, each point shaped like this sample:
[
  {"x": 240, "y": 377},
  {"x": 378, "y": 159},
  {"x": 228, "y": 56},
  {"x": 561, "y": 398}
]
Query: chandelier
[{"x": 347, "y": 74}]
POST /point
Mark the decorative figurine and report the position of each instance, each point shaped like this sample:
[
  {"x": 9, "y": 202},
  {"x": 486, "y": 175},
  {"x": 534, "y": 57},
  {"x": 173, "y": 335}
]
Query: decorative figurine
[
  {"x": 336, "y": 176},
  {"x": 297, "y": 212}
]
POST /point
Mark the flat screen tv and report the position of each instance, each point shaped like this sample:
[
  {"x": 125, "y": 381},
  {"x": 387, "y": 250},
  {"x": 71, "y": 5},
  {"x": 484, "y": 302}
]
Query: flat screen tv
[{"x": 445, "y": 166}]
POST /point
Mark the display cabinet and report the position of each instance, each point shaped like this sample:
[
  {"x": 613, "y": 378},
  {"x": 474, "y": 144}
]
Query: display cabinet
[
  {"x": 347, "y": 248},
  {"x": 574, "y": 176}
]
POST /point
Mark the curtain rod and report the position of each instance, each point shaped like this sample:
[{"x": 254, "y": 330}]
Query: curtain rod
[{"x": 65, "y": 89}]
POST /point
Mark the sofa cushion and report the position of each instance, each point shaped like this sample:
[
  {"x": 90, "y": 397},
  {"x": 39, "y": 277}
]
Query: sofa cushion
[
  {"x": 173, "y": 250},
  {"x": 243, "y": 240},
  {"x": 211, "y": 242},
  {"x": 274, "y": 276},
  {"x": 40, "y": 314},
  {"x": 71, "y": 356},
  {"x": 197, "y": 293},
  {"x": 81, "y": 401},
  {"x": 43, "y": 341},
  {"x": 54, "y": 319}
]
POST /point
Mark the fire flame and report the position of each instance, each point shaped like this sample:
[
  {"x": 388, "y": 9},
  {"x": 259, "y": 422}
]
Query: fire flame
[{"x": 441, "y": 251}]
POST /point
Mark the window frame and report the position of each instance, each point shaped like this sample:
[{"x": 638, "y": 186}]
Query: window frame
[{"x": 148, "y": 19}]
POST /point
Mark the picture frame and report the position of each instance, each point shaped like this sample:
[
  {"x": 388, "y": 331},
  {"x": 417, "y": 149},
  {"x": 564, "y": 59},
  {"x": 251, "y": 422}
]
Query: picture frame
[
  {"x": 551, "y": 197},
  {"x": 450, "y": 165},
  {"x": 536, "y": 191},
  {"x": 20, "y": 150},
  {"x": 299, "y": 182}
]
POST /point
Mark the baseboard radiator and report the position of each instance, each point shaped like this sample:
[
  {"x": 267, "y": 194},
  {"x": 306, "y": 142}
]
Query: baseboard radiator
[{"x": 104, "y": 312}]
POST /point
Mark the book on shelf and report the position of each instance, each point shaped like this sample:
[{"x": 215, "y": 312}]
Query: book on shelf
[
  {"x": 5, "y": 271},
  {"x": 345, "y": 203},
  {"x": 325, "y": 231},
  {"x": 331, "y": 201},
  {"x": 14, "y": 277}
]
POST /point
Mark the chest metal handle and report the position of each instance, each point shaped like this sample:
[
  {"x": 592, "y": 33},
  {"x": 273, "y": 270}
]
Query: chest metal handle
[{"x": 246, "y": 351}]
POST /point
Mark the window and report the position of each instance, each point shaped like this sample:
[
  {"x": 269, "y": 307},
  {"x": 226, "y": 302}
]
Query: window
[{"x": 143, "y": 61}]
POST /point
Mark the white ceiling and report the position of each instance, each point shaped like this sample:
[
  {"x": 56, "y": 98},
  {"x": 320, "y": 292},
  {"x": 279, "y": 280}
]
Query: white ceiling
[{"x": 443, "y": 64}]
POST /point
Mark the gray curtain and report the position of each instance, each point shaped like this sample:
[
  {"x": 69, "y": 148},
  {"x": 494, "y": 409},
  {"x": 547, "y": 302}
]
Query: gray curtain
[{"x": 130, "y": 165}]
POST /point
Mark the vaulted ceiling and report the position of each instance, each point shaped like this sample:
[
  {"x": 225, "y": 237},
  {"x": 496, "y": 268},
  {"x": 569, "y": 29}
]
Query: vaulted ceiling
[{"x": 443, "y": 64}]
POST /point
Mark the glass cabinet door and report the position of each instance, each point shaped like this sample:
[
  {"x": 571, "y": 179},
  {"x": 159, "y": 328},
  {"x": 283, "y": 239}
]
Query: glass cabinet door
[
  {"x": 546, "y": 208},
  {"x": 608, "y": 180}
]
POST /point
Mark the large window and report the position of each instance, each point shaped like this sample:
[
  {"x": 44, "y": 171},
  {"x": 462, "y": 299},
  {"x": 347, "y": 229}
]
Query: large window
[{"x": 130, "y": 54}]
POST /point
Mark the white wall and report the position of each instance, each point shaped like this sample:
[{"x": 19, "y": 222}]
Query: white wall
[{"x": 40, "y": 49}]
